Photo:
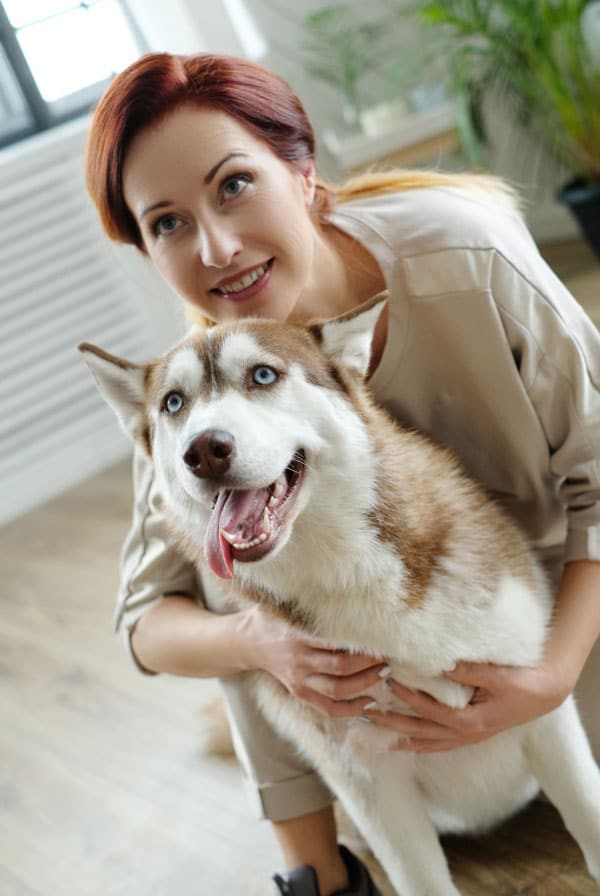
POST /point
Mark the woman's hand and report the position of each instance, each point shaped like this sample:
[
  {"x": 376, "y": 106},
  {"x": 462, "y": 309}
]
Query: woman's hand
[
  {"x": 330, "y": 680},
  {"x": 507, "y": 696},
  {"x": 504, "y": 697}
]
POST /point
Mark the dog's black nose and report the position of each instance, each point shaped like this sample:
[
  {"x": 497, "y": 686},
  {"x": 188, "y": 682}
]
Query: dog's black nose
[{"x": 210, "y": 453}]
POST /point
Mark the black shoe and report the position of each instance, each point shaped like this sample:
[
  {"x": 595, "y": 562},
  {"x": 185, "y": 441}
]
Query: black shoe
[{"x": 302, "y": 881}]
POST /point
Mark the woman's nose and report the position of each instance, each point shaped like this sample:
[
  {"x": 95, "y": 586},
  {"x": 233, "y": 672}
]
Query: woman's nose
[{"x": 218, "y": 246}]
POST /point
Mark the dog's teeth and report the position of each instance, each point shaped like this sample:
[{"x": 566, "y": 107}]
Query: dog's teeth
[
  {"x": 272, "y": 501},
  {"x": 228, "y": 537},
  {"x": 245, "y": 545},
  {"x": 265, "y": 530},
  {"x": 280, "y": 486}
]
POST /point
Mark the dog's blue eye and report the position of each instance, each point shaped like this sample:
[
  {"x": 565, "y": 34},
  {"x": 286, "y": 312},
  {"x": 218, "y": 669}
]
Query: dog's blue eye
[
  {"x": 173, "y": 403},
  {"x": 264, "y": 376}
]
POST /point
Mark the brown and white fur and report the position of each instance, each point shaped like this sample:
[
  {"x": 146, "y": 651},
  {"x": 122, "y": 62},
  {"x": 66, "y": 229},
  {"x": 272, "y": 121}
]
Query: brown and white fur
[{"x": 381, "y": 545}]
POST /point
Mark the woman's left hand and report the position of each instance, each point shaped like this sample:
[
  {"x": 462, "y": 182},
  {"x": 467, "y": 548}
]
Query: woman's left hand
[{"x": 505, "y": 696}]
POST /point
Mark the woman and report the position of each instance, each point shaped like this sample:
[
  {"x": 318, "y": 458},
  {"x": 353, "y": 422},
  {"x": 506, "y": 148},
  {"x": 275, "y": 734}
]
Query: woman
[{"x": 206, "y": 164}]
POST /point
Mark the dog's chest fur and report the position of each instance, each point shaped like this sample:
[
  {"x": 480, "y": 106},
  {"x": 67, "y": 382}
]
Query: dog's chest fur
[{"x": 417, "y": 566}]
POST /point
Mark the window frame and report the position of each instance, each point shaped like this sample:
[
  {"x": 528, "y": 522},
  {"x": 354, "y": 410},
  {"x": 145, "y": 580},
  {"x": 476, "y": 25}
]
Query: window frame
[{"x": 43, "y": 118}]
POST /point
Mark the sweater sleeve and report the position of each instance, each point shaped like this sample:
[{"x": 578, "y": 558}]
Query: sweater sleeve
[
  {"x": 560, "y": 360},
  {"x": 150, "y": 566}
]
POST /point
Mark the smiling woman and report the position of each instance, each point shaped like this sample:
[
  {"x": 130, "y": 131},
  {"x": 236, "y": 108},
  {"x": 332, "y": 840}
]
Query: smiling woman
[
  {"x": 217, "y": 226},
  {"x": 206, "y": 164}
]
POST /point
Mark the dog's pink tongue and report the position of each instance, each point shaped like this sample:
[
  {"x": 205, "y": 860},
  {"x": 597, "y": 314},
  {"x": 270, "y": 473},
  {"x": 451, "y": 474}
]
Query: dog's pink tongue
[{"x": 240, "y": 513}]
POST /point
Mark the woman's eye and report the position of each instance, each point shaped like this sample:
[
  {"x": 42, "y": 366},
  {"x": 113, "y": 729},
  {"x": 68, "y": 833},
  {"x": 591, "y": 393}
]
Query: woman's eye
[
  {"x": 264, "y": 376},
  {"x": 165, "y": 225},
  {"x": 173, "y": 403},
  {"x": 233, "y": 186}
]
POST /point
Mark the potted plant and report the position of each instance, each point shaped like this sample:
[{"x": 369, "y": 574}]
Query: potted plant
[
  {"x": 342, "y": 47},
  {"x": 544, "y": 56}
]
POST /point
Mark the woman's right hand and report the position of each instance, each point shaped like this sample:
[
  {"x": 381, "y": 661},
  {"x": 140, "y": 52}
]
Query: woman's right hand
[{"x": 332, "y": 681}]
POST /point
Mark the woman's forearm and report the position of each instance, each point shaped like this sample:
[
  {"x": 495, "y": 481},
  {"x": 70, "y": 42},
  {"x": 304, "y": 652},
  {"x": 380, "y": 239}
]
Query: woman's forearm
[
  {"x": 179, "y": 637},
  {"x": 576, "y": 622}
]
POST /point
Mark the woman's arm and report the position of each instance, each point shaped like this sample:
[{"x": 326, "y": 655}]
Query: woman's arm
[
  {"x": 507, "y": 696},
  {"x": 576, "y": 623},
  {"x": 177, "y": 636}
]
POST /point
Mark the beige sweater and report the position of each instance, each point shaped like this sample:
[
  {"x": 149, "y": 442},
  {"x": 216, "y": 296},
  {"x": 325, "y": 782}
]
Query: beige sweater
[{"x": 486, "y": 351}]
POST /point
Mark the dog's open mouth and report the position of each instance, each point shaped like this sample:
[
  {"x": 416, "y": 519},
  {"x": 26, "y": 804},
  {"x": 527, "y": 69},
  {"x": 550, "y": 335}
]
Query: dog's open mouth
[{"x": 246, "y": 525}]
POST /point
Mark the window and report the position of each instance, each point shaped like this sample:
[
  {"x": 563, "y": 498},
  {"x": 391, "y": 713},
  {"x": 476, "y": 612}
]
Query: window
[{"x": 57, "y": 57}]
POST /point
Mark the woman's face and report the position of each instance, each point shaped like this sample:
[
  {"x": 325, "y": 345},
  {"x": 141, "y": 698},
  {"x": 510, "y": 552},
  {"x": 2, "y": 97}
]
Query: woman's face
[{"x": 223, "y": 219}]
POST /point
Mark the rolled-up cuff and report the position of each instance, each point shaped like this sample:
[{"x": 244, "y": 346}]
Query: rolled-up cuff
[
  {"x": 280, "y": 783},
  {"x": 583, "y": 544},
  {"x": 126, "y": 631},
  {"x": 289, "y": 799}
]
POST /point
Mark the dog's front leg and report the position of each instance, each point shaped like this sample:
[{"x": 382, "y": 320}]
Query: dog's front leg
[
  {"x": 388, "y": 809},
  {"x": 561, "y": 759}
]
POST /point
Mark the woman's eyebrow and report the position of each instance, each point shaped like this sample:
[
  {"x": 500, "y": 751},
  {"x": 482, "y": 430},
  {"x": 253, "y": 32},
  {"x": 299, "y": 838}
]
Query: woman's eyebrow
[
  {"x": 165, "y": 203},
  {"x": 211, "y": 174}
]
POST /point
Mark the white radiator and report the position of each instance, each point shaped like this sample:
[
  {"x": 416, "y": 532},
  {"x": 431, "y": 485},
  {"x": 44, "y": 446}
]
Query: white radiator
[{"x": 62, "y": 282}]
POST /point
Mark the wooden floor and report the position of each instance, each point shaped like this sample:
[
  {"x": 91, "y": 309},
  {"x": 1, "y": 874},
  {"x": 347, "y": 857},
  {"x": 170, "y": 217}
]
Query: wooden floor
[{"x": 104, "y": 789}]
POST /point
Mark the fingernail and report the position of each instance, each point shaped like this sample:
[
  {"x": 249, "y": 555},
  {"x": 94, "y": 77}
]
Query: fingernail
[
  {"x": 371, "y": 705},
  {"x": 383, "y": 673}
]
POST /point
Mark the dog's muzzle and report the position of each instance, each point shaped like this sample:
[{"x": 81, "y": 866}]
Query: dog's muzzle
[{"x": 209, "y": 454}]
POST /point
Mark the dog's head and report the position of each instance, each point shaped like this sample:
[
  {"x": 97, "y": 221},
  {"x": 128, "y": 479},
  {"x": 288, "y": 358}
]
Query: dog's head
[{"x": 243, "y": 422}]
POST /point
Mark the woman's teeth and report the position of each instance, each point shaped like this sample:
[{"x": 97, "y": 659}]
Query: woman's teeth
[{"x": 245, "y": 282}]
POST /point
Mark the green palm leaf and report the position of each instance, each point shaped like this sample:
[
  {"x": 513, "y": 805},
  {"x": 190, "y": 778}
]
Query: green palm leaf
[{"x": 535, "y": 54}]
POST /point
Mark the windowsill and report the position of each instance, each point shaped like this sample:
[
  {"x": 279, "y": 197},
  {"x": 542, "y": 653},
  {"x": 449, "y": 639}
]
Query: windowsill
[{"x": 413, "y": 136}]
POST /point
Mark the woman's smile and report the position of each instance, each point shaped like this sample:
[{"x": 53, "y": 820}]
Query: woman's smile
[
  {"x": 226, "y": 222},
  {"x": 246, "y": 284}
]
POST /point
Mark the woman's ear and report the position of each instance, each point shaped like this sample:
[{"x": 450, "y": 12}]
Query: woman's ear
[{"x": 309, "y": 179}]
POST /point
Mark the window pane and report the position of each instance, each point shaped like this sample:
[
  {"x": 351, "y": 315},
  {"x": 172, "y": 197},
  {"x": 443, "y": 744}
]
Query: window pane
[
  {"x": 14, "y": 115},
  {"x": 21, "y": 12},
  {"x": 77, "y": 49}
]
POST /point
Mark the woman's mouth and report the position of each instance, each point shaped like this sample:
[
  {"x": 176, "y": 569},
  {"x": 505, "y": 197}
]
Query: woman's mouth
[{"x": 247, "y": 286}]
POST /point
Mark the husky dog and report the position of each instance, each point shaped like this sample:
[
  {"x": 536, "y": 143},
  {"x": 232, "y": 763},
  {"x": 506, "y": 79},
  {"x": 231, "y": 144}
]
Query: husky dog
[{"x": 283, "y": 478}]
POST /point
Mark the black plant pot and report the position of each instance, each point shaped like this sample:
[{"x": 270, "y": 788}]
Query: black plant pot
[{"x": 584, "y": 201}]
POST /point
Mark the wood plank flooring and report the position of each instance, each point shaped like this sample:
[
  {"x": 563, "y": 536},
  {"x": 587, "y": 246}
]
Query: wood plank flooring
[{"x": 104, "y": 788}]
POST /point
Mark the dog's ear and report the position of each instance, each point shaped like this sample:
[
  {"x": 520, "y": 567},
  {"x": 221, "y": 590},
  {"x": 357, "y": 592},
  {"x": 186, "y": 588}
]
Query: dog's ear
[
  {"x": 347, "y": 339},
  {"x": 121, "y": 383}
]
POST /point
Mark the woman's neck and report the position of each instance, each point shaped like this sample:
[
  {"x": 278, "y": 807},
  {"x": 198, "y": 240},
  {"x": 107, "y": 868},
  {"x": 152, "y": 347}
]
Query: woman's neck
[{"x": 344, "y": 275}]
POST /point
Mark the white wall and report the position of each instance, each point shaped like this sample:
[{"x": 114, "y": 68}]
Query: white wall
[
  {"x": 63, "y": 282},
  {"x": 168, "y": 27},
  {"x": 186, "y": 26}
]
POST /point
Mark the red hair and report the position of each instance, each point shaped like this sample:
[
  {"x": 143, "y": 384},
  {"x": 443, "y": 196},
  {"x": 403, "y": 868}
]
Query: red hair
[{"x": 159, "y": 83}]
